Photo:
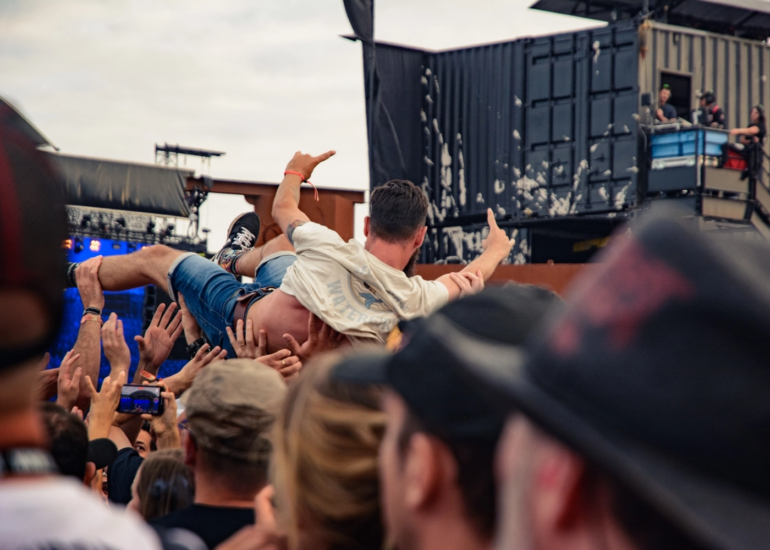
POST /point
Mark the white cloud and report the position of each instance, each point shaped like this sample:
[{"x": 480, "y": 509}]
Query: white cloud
[{"x": 258, "y": 80}]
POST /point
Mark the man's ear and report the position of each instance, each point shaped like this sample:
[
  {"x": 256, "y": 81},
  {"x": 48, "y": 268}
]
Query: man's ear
[
  {"x": 560, "y": 486},
  {"x": 420, "y": 237},
  {"x": 90, "y": 473},
  {"x": 423, "y": 471},
  {"x": 190, "y": 452},
  {"x": 367, "y": 221}
]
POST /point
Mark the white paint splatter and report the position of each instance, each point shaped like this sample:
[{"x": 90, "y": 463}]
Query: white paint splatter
[
  {"x": 597, "y": 47},
  {"x": 540, "y": 179},
  {"x": 626, "y": 130},
  {"x": 558, "y": 170},
  {"x": 428, "y": 98},
  {"x": 446, "y": 168},
  {"x": 500, "y": 210},
  {"x": 424, "y": 81},
  {"x": 560, "y": 206},
  {"x": 528, "y": 212},
  {"x": 479, "y": 199},
  {"x": 435, "y": 84},
  {"x": 461, "y": 177},
  {"x": 635, "y": 116},
  {"x": 594, "y": 147},
  {"x": 542, "y": 195},
  {"x": 428, "y": 161},
  {"x": 607, "y": 172},
  {"x": 528, "y": 167},
  {"x": 423, "y": 116},
  {"x": 427, "y": 72},
  {"x": 499, "y": 186},
  {"x": 435, "y": 126},
  {"x": 516, "y": 172},
  {"x": 603, "y": 193},
  {"x": 633, "y": 169},
  {"x": 620, "y": 197},
  {"x": 516, "y": 135},
  {"x": 545, "y": 164},
  {"x": 516, "y": 101},
  {"x": 565, "y": 138}
]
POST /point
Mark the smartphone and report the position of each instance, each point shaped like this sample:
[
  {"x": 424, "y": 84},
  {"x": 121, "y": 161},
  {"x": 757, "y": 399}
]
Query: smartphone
[{"x": 139, "y": 399}]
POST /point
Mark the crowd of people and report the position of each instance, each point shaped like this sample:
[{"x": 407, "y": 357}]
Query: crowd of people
[{"x": 341, "y": 402}]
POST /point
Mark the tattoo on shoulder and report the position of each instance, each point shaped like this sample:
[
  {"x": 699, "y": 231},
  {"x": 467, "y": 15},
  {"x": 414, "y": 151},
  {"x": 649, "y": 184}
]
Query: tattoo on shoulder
[{"x": 292, "y": 226}]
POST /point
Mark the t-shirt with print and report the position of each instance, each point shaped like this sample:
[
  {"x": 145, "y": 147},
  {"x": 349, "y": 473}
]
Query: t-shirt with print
[
  {"x": 58, "y": 512},
  {"x": 351, "y": 290}
]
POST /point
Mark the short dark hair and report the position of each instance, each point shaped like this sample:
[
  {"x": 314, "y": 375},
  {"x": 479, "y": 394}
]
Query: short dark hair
[
  {"x": 475, "y": 472},
  {"x": 244, "y": 478},
  {"x": 397, "y": 210},
  {"x": 166, "y": 484},
  {"x": 68, "y": 437}
]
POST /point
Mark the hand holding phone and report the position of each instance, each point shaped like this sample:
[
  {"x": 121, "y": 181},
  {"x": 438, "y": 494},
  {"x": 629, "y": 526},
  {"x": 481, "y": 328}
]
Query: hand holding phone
[{"x": 141, "y": 399}]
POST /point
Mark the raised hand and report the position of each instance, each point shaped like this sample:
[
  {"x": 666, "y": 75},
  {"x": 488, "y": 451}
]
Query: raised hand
[
  {"x": 320, "y": 338},
  {"x": 87, "y": 277},
  {"x": 69, "y": 381},
  {"x": 468, "y": 282},
  {"x": 115, "y": 347},
  {"x": 497, "y": 239},
  {"x": 243, "y": 344},
  {"x": 164, "y": 425},
  {"x": 202, "y": 358},
  {"x": 159, "y": 337},
  {"x": 305, "y": 164},
  {"x": 46, "y": 379},
  {"x": 104, "y": 403}
]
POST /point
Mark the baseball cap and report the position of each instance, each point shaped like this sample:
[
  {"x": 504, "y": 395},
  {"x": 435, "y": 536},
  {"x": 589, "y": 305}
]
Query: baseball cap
[
  {"x": 657, "y": 372},
  {"x": 32, "y": 230},
  {"x": 431, "y": 377},
  {"x": 231, "y": 407}
]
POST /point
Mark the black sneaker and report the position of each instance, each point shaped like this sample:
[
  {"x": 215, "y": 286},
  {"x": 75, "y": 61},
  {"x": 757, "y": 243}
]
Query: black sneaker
[{"x": 242, "y": 235}]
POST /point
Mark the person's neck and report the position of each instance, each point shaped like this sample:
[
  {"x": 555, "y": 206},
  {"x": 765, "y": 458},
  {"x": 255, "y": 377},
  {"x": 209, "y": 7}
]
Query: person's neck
[
  {"x": 21, "y": 429},
  {"x": 393, "y": 254},
  {"x": 211, "y": 492},
  {"x": 439, "y": 533}
]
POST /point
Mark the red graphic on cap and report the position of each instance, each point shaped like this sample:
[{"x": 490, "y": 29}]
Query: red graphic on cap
[{"x": 633, "y": 287}]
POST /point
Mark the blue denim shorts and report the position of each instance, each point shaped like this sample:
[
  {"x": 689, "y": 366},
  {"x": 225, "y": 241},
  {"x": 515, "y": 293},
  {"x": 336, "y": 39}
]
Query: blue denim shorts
[{"x": 210, "y": 292}]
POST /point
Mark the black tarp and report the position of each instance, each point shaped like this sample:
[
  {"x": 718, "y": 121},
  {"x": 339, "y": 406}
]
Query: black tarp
[
  {"x": 123, "y": 185},
  {"x": 22, "y": 124}
]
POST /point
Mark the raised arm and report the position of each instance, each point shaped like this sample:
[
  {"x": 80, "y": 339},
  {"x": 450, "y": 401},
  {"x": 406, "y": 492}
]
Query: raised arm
[
  {"x": 286, "y": 212},
  {"x": 89, "y": 342},
  {"x": 497, "y": 247}
]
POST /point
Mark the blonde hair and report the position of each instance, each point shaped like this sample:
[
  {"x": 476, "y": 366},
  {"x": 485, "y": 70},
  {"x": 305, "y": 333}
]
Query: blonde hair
[{"x": 326, "y": 439}]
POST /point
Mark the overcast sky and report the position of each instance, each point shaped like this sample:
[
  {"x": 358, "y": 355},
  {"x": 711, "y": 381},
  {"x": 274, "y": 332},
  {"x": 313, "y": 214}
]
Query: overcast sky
[{"x": 257, "y": 79}]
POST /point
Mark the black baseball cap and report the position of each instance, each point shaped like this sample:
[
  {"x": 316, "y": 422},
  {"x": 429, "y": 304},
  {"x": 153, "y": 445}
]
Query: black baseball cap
[
  {"x": 430, "y": 376},
  {"x": 657, "y": 372},
  {"x": 32, "y": 230}
]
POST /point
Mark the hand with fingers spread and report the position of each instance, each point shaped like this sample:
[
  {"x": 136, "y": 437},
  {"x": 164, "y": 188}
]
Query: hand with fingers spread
[
  {"x": 192, "y": 331},
  {"x": 159, "y": 338},
  {"x": 283, "y": 361},
  {"x": 87, "y": 278},
  {"x": 115, "y": 347},
  {"x": 104, "y": 403},
  {"x": 305, "y": 164},
  {"x": 469, "y": 283},
  {"x": 243, "y": 341},
  {"x": 184, "y": 378},
  {"x": 263, "y": 535},
  {"x": 320, "y": 338},
  {"x": 69, "y": 381},
  {"x": 497, "y": 239}
]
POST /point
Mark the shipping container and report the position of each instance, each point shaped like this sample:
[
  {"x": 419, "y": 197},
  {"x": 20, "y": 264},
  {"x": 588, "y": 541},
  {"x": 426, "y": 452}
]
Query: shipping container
[{"x": 550, "y": 132}]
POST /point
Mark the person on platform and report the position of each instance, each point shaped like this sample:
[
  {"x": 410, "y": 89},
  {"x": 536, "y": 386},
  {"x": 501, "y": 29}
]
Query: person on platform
[
  {"x": 751, "y": 140},
  {"x": 309, "y": 275},
  {"x": 709, "y": 114},
  {"x": 665, "y": 112}
]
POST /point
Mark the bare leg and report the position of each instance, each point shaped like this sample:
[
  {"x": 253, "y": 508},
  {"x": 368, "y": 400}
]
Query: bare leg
[
  {"x": 248, "y": 263},
  {"x": 149, "y": 265}
]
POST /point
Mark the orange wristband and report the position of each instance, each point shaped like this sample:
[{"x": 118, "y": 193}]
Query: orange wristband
[
  {"x": 91, "y": 317},
  {"x": 304, "y": 180}
]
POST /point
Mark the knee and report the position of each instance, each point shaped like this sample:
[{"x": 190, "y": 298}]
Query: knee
[{"x": 280, "y": 244}]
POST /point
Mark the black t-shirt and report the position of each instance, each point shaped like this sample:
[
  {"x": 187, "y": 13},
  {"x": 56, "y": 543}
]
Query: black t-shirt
[
  {"x": 762, "y": 131},
  {"x": 669, "y": 111},
  {"x": 121, "y": 474},
  {"x": 716, "y": 114},
  {"x": 213, "y": 524}
]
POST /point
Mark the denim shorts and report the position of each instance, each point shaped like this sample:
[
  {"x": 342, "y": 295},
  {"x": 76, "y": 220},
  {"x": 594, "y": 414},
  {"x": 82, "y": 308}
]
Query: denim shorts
[{"x": 210, "y": 292}]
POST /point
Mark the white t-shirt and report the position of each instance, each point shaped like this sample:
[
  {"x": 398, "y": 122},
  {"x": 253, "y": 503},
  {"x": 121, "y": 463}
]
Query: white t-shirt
[
  {"x": 351, "y": 290},
  {"x": 57, "y": 512}
]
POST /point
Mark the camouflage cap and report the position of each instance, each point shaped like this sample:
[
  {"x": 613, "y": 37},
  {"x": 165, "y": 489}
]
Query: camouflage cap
[{"x": 231, "y": 407}]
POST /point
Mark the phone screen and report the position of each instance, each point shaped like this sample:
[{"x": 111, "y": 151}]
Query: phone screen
[{"x": 137, "y": 399}]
